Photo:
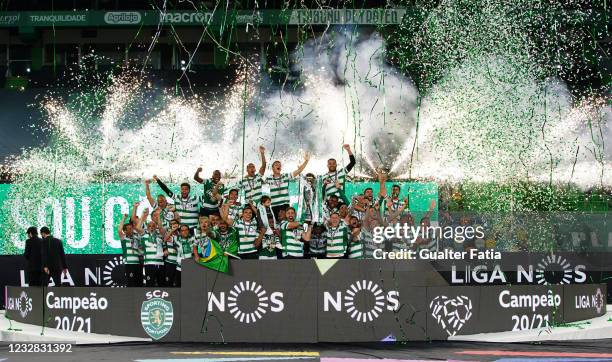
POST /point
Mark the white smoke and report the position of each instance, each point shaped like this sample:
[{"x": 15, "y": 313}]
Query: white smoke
[
  {"x": 349, "y": 95},
  {"x": 488, "y": 121},
  {"x": 485, "y": 120}
]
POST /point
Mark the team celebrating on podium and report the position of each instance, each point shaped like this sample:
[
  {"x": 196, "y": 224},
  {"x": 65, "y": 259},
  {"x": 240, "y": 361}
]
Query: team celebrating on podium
[{"x": 326, "y": 223}]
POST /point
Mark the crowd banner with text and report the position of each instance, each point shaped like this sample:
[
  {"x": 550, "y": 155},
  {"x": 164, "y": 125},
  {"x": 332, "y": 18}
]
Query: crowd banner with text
[
  {"x": 97, "y": 18},
  {"x": 307, "y": 301},
  {"x": 247, "y": 18}
]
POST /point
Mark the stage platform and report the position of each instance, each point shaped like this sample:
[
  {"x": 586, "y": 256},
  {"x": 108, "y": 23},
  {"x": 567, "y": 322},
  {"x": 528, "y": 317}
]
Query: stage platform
[
  {"x": 12, "y": 331},
  {"x": 599, "y": 328},
  {"x": 303, "y": 301}
]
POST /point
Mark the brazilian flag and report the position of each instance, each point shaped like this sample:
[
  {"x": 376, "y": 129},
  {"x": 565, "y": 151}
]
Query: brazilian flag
[{"x": 211, "y": 256}]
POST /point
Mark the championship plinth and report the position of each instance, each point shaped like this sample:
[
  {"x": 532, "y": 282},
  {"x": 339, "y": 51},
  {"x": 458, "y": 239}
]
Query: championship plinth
[{"x": 307, "y": 301}]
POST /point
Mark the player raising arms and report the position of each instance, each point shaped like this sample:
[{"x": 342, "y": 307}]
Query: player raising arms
[
  {"x": 279, "y": 185},
  {"x": 251, "y": 183},
  {"x": 187, "y": 206},
  {"x": 334, "y": 177},
  {"x": 212, "y": 192},
  {"x": 130, "y": 245},
  {"x": 175, "y": 237},
  {"x": 393, "y": 201},
  {"x": 152, "y": 244},
  {"x": 161, "y": 207}
]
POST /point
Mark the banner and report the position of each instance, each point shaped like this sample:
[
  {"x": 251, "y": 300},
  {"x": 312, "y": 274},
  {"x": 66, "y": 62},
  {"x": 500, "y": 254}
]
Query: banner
[
  {"x": 201, "y": 18},
  {"x": 252, "y": 304},
  {"x": 83, "y": 271},
  {"x": 528, "y": 268},
  {"x": 134, "y": 312},
  {"x": 365, "y": 301},
  {"x": 57, "y": 18},
  {"x": 87, "y": 222},
  {"x": 513, "y": 268},
  {"x": 303, "y": 301},
  {"x": 374, "y": 301},
  {"x": 347, "y": 16},
  {"x": 24, "y": 304}
]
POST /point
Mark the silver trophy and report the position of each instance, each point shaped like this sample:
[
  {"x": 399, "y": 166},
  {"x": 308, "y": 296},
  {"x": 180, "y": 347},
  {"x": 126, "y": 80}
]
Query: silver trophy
[
  {"x": 308, "y": 198},
  {"x": 270, "y": 242}
]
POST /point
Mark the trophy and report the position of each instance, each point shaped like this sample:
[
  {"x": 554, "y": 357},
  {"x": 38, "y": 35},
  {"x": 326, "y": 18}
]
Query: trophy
[
  {"x": 269, "y": 221},
  {"x": 270, "y": 242},
  {"x": 308, "y": 198}
]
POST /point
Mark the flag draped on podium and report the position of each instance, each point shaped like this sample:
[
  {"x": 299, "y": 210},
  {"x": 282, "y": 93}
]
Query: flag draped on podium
[{"x": 211, "y": 255}]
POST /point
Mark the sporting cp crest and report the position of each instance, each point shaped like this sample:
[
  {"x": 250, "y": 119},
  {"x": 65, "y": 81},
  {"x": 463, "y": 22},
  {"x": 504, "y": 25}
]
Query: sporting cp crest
[{"x": 156, "y": 316}]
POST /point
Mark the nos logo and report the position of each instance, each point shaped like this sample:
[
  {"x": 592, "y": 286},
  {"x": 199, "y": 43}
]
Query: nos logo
[
  {"x": 374, "y": 301},
  {"x": 23, "y": 304},
  {"x": 247, "y": 302}
]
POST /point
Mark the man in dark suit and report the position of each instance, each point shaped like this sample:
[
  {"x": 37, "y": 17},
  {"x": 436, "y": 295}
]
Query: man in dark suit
[
  {"x": 33, "y": 254},
  {"x": 53, "y": 257}
]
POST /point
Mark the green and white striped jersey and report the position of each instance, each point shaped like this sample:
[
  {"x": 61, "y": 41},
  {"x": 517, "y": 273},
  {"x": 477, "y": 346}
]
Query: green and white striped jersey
[
  {"x": 317, "y": 245},
  {"x": 430, "y": 244},
  {"x": 130, "y": 247},
  {"x": 166, "y": 215},
  {"x": 291, "y": 239},
  {"x": 251, "y": 186},
  {"x": 337, "y": 240},
  {"x": 327, "y": 212},
  {"x": 188, "y": 209},
  {"x": 397, "y": 244},
  {"x": 247, "y": 233},
  {"x": 356, "y": 250},
  {"x": 375, "y": 200},
  {"x": 366, "y": 238},
  {"x": 279, "y": 188},
  {"x": 360, "y": 215},
  {"x": 183, "y": 250},
  {"x": 199, "y": 239},
  {"x": 396, "y": 204},
  {"x": 208, "y": 201},
  {"x": 173, "y": 248},
  {"x": 153, "y": 248},
  {"x": 235, "y": 211},
  {"x": 186, "y": 247},
  {"x": 333, "y": 177}
]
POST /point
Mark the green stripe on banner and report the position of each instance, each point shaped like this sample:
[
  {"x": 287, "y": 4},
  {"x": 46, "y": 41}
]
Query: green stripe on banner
[{"x": 87, "y": 220}]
